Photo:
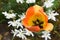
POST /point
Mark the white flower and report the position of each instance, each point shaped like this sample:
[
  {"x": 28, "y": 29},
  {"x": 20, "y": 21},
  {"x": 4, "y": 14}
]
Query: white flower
[
  {"x": 21, "y": 33},
  {"x": 27, "y": 1},
  {"x": 30, "y": 1},
  {"x": 48, "y": 3},
  {"x": 46, "y": 35},
  {"x": 16, "y": 23},
  {"x": 51, "y": 0},
  {"x": 28, "y": 32},
  {"x": 8, "y": 15},
  {"x": 21, "y": 1},
  {"x": 13, "y": 23},
  {"x": 15, "y": 32},
  {"x": 51, "y": 15},
  {"x": 22, "y": 16}
]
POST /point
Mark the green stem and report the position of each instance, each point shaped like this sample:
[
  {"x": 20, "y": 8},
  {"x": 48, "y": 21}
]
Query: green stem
[
  {"x": 13, "y": 38},
  {"x": 57, "y": 33}
]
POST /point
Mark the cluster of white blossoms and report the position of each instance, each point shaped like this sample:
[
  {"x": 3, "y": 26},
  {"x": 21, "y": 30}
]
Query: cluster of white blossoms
[
  {"x": 48, "y": 3},
  {"x": 27, "y": 1},
  {"x": 51, "y": 13},
  {"x": 9, "y": 15},
  {"x": 16, "y": 24},
  {"x": 21, "y": 33}
]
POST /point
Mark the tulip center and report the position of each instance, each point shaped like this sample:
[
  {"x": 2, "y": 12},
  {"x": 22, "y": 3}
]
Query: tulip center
[{"x": 38, "y": 23}]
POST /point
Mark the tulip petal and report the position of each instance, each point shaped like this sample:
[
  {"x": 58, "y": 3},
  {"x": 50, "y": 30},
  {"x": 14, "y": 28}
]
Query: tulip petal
[
  {"x": 49, "y": 27},
  {"x": 34, "y": 29}
]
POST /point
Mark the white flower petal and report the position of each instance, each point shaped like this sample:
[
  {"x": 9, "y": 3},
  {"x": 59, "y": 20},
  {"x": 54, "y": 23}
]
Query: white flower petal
[
  {"x": 21, "y": 1},
  {"x": 22, "y": 16},
  {"x": 29, "y": 33},
  {"x": 51, "y": 0},
  {"x": 30, "y": 1},
  {"x": 53, "y": 18}
]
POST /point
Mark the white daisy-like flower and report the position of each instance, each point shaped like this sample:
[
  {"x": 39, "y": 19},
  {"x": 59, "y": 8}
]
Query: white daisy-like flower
[
  {"x": 48, "y": 3},
  {"x": 16, "y": 23},
  {"x": 21, "y": 1},
  {"x": 30, "y": 1},
  {"x": 8, "y": 15},
  {"x": 52, "y": 14},
  {"x": 21, "y": 33},
  {"x": 46, "y": 35}
]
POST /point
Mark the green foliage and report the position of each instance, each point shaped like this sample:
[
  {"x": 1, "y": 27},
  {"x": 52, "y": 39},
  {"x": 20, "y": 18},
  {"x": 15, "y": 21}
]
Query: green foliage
[{"x": 56, "y": 4}]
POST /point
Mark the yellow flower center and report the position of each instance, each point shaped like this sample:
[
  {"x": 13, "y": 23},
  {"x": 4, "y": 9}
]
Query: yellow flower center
[{"x": 36, "y": 20}]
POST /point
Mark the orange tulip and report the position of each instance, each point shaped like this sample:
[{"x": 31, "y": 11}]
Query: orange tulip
[{"x": 36, "y": 19}]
